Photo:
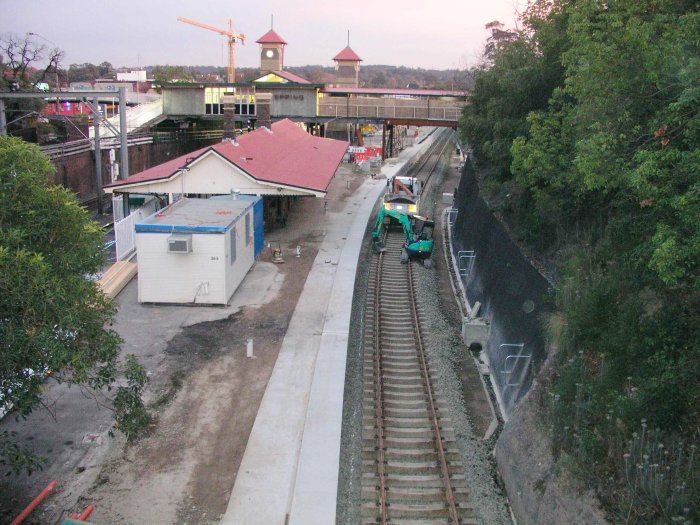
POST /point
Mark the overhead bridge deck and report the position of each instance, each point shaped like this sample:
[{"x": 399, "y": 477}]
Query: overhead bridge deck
[
  {"x": 315, "y": 103},
  {"x": 395, "y": 106}
]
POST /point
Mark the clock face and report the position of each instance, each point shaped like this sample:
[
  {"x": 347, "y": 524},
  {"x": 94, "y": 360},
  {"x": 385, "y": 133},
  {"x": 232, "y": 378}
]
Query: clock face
[{"x": 269, "y": 53}]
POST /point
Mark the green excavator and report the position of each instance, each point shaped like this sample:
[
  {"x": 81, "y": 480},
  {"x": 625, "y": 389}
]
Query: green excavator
[{"x": 417, "y": 230}]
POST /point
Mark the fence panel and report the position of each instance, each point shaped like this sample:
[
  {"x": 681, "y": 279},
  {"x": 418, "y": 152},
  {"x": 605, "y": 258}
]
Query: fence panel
[{"x": 124, "y": 230}]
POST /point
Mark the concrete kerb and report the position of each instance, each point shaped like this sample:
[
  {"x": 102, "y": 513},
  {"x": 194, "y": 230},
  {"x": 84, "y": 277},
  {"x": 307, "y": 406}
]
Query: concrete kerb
[
  {"x": 289, "y": 471},
  {"x": 499, "y": 400},
  {"x": 315, "y": 490}
]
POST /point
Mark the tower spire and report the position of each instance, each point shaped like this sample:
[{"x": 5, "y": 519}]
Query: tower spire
[{"x": 348, "y": 38}]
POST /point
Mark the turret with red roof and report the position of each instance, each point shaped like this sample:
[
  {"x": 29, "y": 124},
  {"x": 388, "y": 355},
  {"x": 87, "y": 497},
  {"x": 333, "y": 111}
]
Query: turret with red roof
[
  {"x": 347, "y": 64},
  {"x": 271, "y": 51}
]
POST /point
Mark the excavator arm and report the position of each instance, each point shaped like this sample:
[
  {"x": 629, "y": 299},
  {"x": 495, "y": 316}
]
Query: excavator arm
[
  {"x": 400, "y": 186},
  {"x": 402, "y": 218}
]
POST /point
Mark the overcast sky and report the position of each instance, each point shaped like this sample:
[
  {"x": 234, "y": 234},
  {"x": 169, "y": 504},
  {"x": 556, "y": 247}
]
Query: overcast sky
[{"x": 438, "y": 34}]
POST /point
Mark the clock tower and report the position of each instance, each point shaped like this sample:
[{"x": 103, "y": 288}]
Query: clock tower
[{"x": 271, "y": 51}]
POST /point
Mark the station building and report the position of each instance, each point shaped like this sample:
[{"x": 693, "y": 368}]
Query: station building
[
  {"x": 322, "y": 109},
  {"x": 279, "y": 163}
]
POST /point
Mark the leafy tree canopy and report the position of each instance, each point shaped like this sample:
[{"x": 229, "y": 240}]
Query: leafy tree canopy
[
  {"x": 52, "y": 316},
  {"x": 171, "y": 73},
  {"x": 87, "y": 71},
  {"x": 590, "y": 116}
]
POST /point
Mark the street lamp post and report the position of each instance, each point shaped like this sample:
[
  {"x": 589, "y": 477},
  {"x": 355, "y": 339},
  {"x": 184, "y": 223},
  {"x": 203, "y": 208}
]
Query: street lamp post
[{"x": 58, "y": 85}]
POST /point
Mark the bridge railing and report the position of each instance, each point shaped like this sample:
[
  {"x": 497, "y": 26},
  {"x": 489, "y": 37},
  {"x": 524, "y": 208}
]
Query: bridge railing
[
  {"x": 136, "y": 117},
  {"x": 388, "y": 109},
  {"x": 74, "y": 147}
]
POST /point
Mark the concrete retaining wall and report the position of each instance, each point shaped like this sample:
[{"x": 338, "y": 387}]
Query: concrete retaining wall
[
  {"x": 514, "y": 298},
  {"x": 512, "y": 292}
]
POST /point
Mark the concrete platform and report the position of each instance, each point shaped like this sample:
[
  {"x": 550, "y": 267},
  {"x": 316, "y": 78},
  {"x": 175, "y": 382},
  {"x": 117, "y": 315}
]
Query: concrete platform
[{"x": 289, "y": 472}]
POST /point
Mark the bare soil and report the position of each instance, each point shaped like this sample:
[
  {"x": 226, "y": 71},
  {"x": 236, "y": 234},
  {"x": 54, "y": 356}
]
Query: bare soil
[{"x": 183, "y": 472}]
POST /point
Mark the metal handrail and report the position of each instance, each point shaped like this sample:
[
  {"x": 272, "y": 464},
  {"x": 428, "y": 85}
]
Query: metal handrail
[
  {"x": 514, "y": 357},
  {"x": 465, "y": 270}
]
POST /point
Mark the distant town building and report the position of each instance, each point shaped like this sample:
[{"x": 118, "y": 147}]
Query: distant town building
[{"x": 132, "y": 76}]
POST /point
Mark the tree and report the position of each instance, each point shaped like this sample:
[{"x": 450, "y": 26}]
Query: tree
[
  {"x": 20, "y": 56},
  {"x": 106, "y": 69},
  {"x": 172, "y": 74},
  {"x": 520, "y": 72},
  {"x": 83, "y": 72},
  {"x": 53, "y": 317}
]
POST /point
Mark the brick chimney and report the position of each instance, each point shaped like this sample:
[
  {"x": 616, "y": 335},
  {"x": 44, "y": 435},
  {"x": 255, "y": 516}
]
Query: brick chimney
[
  {"x": 263, "y": 101},
  {"x": 229, "y": 102}
]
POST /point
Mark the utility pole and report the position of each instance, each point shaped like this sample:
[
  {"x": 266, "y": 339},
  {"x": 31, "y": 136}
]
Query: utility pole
[
  {"x": 3, "y": 119},
  {"x": 98, "y": 158},
  {"x": 123, "y": 132}
]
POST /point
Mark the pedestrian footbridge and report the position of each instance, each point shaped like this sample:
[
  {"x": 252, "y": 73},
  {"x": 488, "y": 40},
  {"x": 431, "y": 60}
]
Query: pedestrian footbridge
[{"x": 412, "y": 107}]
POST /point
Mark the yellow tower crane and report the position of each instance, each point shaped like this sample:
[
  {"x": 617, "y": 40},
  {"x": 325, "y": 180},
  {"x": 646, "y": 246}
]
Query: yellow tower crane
[{"x": 232, "y": 39}]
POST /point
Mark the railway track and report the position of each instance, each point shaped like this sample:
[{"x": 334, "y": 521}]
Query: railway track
[
  {"x": 411, "y": 469},
  {"x": 437, "y": 149}
]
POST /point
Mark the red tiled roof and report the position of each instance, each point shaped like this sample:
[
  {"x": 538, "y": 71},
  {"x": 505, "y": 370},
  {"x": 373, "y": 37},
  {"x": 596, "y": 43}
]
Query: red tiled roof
[
  {"x": 395, "y": 91},
  {"x": 270, "y": 38},
  {"x": 286, "y": 155},
  {"x": 291, "y": 77},
  {"x": 347, "y": 54}
]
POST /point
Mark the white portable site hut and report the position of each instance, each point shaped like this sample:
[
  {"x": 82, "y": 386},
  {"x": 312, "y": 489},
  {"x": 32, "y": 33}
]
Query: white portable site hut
[{"x": 195, "y": 251}]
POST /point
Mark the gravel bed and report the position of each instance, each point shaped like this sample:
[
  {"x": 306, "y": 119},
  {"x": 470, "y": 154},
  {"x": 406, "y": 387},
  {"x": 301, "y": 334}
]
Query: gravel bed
[{"x": 445, "y": 349}]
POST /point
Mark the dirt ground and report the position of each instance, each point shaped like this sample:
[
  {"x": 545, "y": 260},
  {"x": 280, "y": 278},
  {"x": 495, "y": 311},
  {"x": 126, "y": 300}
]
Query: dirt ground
[
  {"x": 204, "y": 393},
  {"x": 183, "y": 472}
]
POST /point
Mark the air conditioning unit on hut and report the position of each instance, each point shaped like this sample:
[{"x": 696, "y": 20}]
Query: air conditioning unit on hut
[{"x": 180, "y": 243}]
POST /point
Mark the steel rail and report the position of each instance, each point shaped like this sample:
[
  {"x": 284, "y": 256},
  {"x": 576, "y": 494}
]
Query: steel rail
[
  {"x": 403, "y": 443},
  {"x": 379, "y": 391},
  {"x": 423, "y": 161},
  {"x": 449, "y": 495},
  {"x": 417, "y": 169},
  {"x": 432, "y": 170}
]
